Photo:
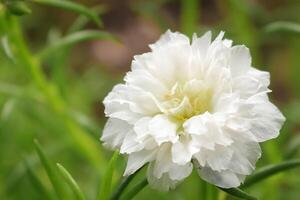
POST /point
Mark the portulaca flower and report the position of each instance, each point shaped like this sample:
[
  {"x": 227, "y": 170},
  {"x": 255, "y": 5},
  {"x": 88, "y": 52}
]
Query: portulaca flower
[{"x": 188, "y": 104}]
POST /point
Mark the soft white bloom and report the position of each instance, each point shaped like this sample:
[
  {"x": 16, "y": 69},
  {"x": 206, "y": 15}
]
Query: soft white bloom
[{"x": 188, "y": 103}]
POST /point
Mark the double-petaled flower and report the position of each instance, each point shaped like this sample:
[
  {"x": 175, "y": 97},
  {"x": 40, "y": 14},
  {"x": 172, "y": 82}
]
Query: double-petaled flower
[{"x": 186, "y": 104}]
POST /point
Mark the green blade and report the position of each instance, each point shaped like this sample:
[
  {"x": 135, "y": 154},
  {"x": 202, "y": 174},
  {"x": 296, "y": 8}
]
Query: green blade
[
  {"x": 283, "y": 27},
  {"x": 70, "y": 181},
  {"x": 51, "y": 172},
  {"x": 270, "y": 170},
  {"x": 75, "y": 38},
  {"x": 71, "y": 6},
  {"x": 36, "y": 182},
  {"x": 135, "y": 190},
  {"x": 236, "y": 192},
  {"x": 105, "y": 188}
]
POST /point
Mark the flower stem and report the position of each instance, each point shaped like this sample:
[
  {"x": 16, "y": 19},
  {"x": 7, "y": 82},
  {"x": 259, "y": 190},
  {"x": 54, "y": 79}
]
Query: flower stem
[
  {"x": 135, "y": 190},
  {"x": 124, "y": 183}
]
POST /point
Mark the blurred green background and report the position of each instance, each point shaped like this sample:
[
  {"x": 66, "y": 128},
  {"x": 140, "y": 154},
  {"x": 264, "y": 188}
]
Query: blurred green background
[{"x": 58, "y": 99}]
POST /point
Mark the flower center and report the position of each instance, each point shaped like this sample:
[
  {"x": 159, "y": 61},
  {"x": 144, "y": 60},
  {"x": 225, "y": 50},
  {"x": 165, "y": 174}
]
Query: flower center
[{"x": 187, "y": 100}]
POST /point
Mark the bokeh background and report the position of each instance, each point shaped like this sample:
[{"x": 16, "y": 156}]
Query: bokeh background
[{"x": 84, "y": 73}]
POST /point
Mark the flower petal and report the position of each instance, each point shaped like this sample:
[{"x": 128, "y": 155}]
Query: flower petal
[
  {"x": 114, "y": 132},
  {"x": 137, "y": 159},
  {"x": 163, "y": 129},
  {"x": 224, "y": 178}
]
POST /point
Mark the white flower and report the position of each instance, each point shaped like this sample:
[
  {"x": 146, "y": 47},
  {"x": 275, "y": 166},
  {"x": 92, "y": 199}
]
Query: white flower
[{"x": 192, "y": 103}]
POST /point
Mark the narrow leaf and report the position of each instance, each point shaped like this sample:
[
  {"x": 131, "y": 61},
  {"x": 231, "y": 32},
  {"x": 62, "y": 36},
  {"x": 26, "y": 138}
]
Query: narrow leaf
[
  {"x": 270, "y": 170},
  {"x": 293, "y": 147},
  {"x": 71, "y": 6},
  {"x": 71, "y": 182},
  {"x": 36, "y": 182},
  {"x": 135, "y": 190},
  {"x": 105, "y": 188},
  {"x": 76, "y": 38},
  {"x": 51, "y": 172},
  {"x": 284, "y": 27},
  {"x": 81, "y": 21},
  {"x": 236, "y": 192},
  {"x": 123, "y": 185}
]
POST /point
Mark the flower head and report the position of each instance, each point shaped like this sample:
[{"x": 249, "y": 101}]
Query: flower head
[{"x": 192, "y": 103}]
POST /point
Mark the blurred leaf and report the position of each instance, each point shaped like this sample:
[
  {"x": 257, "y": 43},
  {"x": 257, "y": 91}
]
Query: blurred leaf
[
  {"x": 8, "y": 108},
  {"x": 7, "y": 48},
  {"x": 123, "y": 185},
  {"x": 135, "y": 190},
  {"x": 236, "y": 192},
  {"x": 51, "y": 171},
  {"x": 105, "y": 188},
  {"x": 189, "y": 16},
  {"x": 71, "y": 182},
  {"x": 36, "y": 182},
  {"x": 283, "y": 27},
  {"x": 76, "y": 38},
  {"x": 293, "y": 146},
  {"x": 270, "y": 170},
  {"x": 81, "y": 21},
  {"x": 17, "y": 7},
  {"x": 72, "y": 6}
]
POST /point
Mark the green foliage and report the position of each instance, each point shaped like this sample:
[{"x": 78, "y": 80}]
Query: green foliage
[
  {"x": 106, "y": 184},
  {"x": 51, "y": 172},
  {"x": 71, "y": 182},
  {"x": 71, "y": 6},
  {"x": 53, "y": 91},
  {"x": 236, "y": 192},
  {"x": 268, "y": 171}
]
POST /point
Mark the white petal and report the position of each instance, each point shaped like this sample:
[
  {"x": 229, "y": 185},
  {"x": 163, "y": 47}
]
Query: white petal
[
  {"x": 240, "y": 60},
  {"x": 200, "y": 45},
  {"x": 180, "y": 172},
  {"x": 170, "y": 38},
  {"x": 267, "y": 120},
  {"x": 144, "y": 80},
  {"x": 114, "y": 132},
  {"x": 217, "y": 159},
  {"x": 131, "y": 144},
  {"x": 164, "y": 183},
  {"x": 206, "y": 131},
  {"x": 244, "y": 157},
  {"x": 137, "y": 160},
  {"x": 163, "y": 160},
  {"x": 224, "y": 179},
  {"x": 183, "y": 150},
  {"x": 163, "y": 129}
]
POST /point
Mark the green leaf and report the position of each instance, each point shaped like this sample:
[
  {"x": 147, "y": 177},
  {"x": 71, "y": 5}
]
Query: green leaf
[
  {"x": 51, "y": 171},
  {"x": 270, "y": 170},
  {"x": 71, "y": 182},
  {"x": 236, "y": 192},
  {"x": 123, "y": 185},
  {"x": 283, "y": 27},
  {"x": 135, "y": 190},
  {"x": 293, "y": 147},
  {"x": 36, "y": 182},
  {"x": 105, "y": 188},
  {"x": 81, "y": 21},
  {"x": 71, "y": 6},
  {"x": 18, "y": 7},
  {"x": 76, "y": 38}
]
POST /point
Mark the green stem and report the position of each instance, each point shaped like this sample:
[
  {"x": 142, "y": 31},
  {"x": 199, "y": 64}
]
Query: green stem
[
  {"x": 123, "y": 185},
  {"x": 212, "y": 192},
  {"x": 203, "y": 190},
  {"x": 136, "y": 189}
]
